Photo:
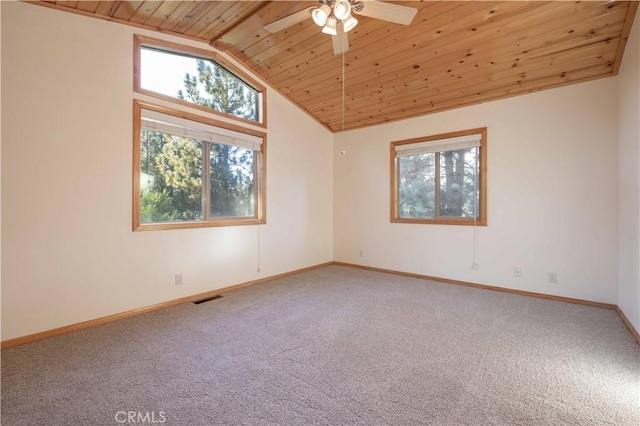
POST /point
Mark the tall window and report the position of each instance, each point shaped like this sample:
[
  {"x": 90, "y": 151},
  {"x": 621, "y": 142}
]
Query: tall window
[
  {"x": 190, "y": 171},
  {"x": 196, "y": 78},
  {"x": 440, "y": 179}
]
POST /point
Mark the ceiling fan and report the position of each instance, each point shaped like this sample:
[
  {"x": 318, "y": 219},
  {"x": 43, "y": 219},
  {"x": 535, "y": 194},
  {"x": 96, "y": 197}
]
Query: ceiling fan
[{"x": 334, "y": 16}]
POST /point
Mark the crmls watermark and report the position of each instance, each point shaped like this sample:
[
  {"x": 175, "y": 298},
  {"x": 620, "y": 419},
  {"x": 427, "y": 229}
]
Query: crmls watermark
[{"x": 141, "y": 417}]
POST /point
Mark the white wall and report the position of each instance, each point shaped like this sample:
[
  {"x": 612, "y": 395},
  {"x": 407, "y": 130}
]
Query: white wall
[
  {"x": 69, "y": 255},
  {"x": 552, "y": 201},
  {"x": 68, "y": 252},
  {"x": 0, "y": 160},
  {"x": 629, "y": 179}
]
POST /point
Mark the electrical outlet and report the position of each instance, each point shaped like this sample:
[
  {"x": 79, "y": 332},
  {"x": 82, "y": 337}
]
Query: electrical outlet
[
  {"x": 475, "y": 266},
  {"x": 552, "y": 277},
  {"x": 517, "y": 272},
  {"x": 178, "y": 279}
]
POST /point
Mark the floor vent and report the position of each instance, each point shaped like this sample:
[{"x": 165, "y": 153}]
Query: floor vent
[{"x": 197, "y": 302}]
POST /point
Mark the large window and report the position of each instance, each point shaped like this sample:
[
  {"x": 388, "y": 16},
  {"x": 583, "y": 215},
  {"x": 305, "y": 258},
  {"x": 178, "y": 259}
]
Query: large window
[
  {"x": 190, "y": 171},
  {"x": 440, "y": 179},
  {"x": 197, "y": 78}
]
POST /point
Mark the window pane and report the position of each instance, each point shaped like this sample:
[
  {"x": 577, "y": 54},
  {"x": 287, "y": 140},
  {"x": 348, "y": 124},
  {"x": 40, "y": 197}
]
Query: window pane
[
  {"x": 170, "y": 178},
  {"x": 231, "y": 193},
  {"x": 459, "y": 183},
  {"x": 416, "y": 189},
  {"x": 199, "y": 81}
]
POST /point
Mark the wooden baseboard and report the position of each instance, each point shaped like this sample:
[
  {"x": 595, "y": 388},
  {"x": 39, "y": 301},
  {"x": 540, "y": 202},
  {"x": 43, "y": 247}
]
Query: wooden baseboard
[
  {"x": 625, "y": 320},
  {"x": 630, "y": 326},
  {"x": 483, "y": 286},
  {"x": 110, "y": 318}
]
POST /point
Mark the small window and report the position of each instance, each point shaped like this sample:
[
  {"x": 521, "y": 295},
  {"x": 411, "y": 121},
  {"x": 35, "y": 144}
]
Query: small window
[
  {"x": 440, "y": 179},
  {"x": 193, "y": 172},
  {"x": 196, "y": 78}
]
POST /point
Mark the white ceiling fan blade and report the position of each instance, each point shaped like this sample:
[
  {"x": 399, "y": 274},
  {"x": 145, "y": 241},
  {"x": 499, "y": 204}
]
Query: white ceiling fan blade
[
  {"x": 340, "y": 41},
  {"x": 288, "y": 20},
  {"x": 387, "y": 11}
]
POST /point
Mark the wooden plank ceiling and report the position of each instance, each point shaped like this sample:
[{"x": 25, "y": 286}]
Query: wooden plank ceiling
[{"x": 453, "y": 54}]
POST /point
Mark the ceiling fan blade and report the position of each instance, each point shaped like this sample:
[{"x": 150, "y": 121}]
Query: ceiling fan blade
[
  {"x": 387, "y": 11},
  {"x": 340, "y": 41},
  {"x": 288, "y": 20}
]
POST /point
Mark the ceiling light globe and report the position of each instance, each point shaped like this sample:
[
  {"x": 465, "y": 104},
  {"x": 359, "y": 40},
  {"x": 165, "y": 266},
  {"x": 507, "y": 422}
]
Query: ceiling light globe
[
  {"x": 349, "y": 23},
  {"x": 341, "y": 9},
  {"x": 330, "y": 27},
  {"x": 320, "y": 14}
]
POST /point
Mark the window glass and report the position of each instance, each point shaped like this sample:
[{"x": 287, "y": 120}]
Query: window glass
[
  {"x": 440, "y": 179},
  {"x": 459, "y": 195},
  {"x": 170, "y": 177},
  {"x": 231, "y": 181},
  {"x": 190, "y": 170},
  {"x": 197, "y": 78},
  {"x": 417, "y": 186}
]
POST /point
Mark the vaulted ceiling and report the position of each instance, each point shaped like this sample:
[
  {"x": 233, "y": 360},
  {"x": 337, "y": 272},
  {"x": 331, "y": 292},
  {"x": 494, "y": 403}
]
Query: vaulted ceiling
[{"x": 454, "y": 53}]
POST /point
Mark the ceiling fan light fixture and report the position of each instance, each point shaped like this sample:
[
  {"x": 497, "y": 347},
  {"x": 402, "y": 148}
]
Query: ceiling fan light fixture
[
  {"x": 330, "y": 27},
  {"x": 320, "y": 14},
  {"x": 349, "y": 23},
  {"x": 341, "y": 9},
  {"x": 357, "y": 6}
]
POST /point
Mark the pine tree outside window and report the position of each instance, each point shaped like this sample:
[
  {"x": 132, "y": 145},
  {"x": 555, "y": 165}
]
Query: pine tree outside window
[
  {"x": 190, "y": 171},
  {"x": 197, "y": 78},
  {"x": 440, "y": 179}
]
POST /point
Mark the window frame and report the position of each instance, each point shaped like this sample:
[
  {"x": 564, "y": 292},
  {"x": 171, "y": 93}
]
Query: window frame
[
  {"x": 260, "y": 173},
  {"x": 143, "y": 41},
  {"x": 478, "y": 221}
]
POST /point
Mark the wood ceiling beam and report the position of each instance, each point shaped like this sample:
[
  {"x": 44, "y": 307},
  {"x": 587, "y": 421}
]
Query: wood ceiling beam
[
  {"x": 218, "y": 41},
  {"x": 238, "y": 11}
]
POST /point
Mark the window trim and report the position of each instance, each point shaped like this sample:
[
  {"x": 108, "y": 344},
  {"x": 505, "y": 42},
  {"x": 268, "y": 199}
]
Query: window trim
[
  {"x": 480, "y": 221},
  {"x": 143, "y": 41},
  {"x": 260, "y": 175}
]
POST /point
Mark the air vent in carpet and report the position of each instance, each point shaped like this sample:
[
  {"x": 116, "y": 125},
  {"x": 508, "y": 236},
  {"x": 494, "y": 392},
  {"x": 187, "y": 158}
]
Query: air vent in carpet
[{"x": 207, "y": 299}]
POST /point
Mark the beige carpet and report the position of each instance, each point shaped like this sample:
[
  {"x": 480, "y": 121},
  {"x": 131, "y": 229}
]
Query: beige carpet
[{"x": 336, "y": 346}]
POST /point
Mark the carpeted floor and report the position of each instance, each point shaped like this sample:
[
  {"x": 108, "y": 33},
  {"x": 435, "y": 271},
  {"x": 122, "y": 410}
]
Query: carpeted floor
[{"x": 336, "y": 346}]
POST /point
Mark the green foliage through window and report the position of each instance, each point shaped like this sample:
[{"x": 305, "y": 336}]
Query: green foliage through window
[
  {"x": 223, "y": 91},
  {"x": 171, "y": 178},
  {"x": 198, "y": 81},
  {"x": 453, "y": 173},
  {"x": 195, "y": 171},
  {"x": 440, "y": 179},
  {"x": 174, "y": 176}
]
